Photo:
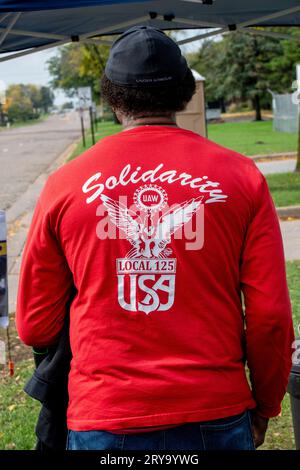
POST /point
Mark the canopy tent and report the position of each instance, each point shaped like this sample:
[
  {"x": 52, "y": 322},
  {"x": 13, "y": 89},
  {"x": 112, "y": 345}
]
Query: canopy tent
[{"x": 29, "y": 26}]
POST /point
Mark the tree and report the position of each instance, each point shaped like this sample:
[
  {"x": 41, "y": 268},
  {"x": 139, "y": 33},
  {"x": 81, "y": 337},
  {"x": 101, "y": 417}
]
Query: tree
[
  {"x": 19, "y": 104},
  {"x": 283, "y": 69},
  {"x": 246, "y": 67},
  {"x": 207, "y": 61},
  {"x": 283, "y": 66},
  {"x": 34, "y": 94},
  {"x": 78, "y": 65},
  {"x": 25, "y": 102},
  {"x": 241, "y": 67},
  {"x": 65, "y": 69}
]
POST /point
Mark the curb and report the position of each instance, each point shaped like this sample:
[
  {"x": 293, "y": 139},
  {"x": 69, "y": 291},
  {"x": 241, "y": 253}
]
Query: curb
[
  {"x": 288, "y": 212},
  {"x": 274, "y": 157}
]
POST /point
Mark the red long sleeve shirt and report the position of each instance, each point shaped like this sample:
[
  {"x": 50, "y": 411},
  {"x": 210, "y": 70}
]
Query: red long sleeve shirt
[{"x": 160, "y": 230}]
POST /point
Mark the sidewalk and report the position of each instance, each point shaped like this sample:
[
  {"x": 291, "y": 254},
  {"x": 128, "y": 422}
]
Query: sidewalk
[{"x": 291, "y": 238}]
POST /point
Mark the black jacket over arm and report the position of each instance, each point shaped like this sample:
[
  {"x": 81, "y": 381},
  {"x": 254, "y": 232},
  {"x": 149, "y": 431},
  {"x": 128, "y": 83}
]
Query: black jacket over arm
[{"x": 49, "y": 385}]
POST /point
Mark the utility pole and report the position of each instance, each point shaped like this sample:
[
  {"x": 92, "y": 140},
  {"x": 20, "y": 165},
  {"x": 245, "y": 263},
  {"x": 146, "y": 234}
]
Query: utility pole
[
  {"x": 92, "y": 124},
  {"x": 82, "y": 126}
]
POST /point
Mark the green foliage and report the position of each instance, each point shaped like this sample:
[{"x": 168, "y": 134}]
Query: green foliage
[
  {"x": 78, "y": 65},
  {"x": 207, "y": 61},
  {"x": 19, "y": 104},
  {"x": 237, "y": 67},
  {"x": 65, "y": 69},
  {"x": 24, "y": 102},
  {"x": 246, "y": 65},
  {"x": 46, "y": 98},
  {"x": 241, "y": 67}
]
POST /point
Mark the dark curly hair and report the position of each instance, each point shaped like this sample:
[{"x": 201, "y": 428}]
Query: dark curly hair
[{"x": 146, "y": 101}]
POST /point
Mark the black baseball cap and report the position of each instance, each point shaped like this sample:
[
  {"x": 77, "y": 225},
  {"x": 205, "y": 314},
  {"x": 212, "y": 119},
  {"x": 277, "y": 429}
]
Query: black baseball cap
[{"x": 144, "y": 56}]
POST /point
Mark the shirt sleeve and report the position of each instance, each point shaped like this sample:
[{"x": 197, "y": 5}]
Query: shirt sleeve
[
  {"x": 45, "y": 283},
  {"x": 269, "y": 327}
]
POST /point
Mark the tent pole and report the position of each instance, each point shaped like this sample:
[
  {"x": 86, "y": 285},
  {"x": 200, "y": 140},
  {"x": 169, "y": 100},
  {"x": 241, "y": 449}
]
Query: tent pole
[
  {"x": 30, "y": 51},
  {"x": 260, "y": 32},
  {"x": 9, "y": 27},
  {"x": 253, "y": 21},
  {"x": 202, "y": 36},
  {"x": 109, "y": 30},
  {"x": 35, "y": 34},
  {"x": 97, "y": 41},
  {"x": 277, "y": 14},
  {"x": 102, "y": 31},
  {"x": 2, "y": 18},
  {"x": 190, "y": 22},
  {"x": 271, "y": 34}
]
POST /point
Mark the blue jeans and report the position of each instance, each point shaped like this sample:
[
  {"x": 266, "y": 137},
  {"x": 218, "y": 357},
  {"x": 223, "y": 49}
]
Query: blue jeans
[{"x": 233, "y": 433}]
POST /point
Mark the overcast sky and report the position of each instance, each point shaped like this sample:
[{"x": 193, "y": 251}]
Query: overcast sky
[{"x": 33, "y": 68}]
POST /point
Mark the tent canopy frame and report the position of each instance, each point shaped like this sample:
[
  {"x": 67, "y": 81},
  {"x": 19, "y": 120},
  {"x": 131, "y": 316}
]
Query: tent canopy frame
[{"x": 93, "y": 37}]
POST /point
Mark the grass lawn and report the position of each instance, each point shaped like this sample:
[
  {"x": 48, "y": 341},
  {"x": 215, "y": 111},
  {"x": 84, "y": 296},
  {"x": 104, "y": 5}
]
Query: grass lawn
[
  {"x": 29, "y": 122},
  {"x": 248, "y": 138},
  {"x": 18, "y": 413},
  {"x": 252, "y": 138},
  {"x": 285, "y": 188},
  {"x": 104, "y": 129}
]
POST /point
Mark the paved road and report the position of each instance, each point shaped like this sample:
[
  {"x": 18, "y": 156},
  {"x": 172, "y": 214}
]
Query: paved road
[{"x": 26, "y": 152}]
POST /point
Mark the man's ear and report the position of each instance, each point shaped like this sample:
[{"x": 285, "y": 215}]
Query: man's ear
[{"x": 119, "y": 115}]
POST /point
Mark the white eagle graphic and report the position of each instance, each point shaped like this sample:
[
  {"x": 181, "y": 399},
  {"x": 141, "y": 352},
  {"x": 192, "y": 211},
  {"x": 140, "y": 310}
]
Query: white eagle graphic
[{"x": 148, "y": 240}]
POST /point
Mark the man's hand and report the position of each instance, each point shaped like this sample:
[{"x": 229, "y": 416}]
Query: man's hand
[{"x": 259, "y": 428}]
